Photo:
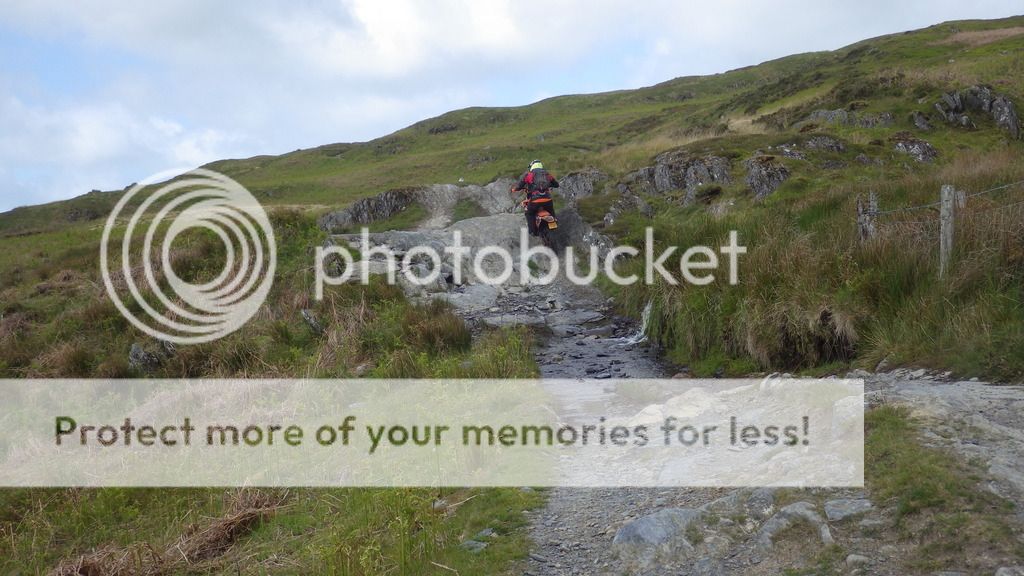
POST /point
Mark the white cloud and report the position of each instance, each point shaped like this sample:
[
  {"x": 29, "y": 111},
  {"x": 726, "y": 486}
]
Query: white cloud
[{"x": 191, "y": 80}]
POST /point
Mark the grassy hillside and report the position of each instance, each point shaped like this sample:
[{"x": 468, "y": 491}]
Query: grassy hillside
[
  {"x": 812, "y": 297},
  {"x": 619, "y": 131}
]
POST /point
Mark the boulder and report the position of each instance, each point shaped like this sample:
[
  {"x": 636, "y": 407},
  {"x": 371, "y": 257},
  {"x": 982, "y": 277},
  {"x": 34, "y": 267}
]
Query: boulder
[
  {"x": 843, "y": 508},
  {"x": 826, "y": 143},
  {"x": 764, "y": 175},
  {"x": 641, "y": 542},
  {"x": 578, "y": 185},
  {"x": 142, "y": 360},
  {"x": 787, "y": 517},
  {"x": 953, "y": 106},
  {"x": 847, "y": 118},
  {"x": 920, "y": 121},
  {"x": 366, "y": 210},
  {"x": 679, "y": 170},
  {"x": 629, "y": 202},
  {"x": 310, "y": 317},
  {"x": 916, "y": 148}
]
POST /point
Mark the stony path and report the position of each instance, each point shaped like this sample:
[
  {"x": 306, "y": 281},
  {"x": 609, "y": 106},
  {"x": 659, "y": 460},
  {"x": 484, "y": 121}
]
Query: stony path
[
  {"x": 573, "y": 532},
  {"x": 580, "y": 339}
]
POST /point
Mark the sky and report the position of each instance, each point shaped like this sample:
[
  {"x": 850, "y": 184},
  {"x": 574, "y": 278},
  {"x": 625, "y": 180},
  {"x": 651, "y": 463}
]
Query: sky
[{"x": 98, "y": 94}]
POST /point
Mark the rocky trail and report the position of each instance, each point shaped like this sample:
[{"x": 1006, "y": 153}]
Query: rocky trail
[{"x": 708, "y": 531}]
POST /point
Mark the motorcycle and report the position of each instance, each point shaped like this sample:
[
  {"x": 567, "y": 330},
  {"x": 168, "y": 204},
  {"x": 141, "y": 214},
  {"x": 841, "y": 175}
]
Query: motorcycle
[{"x": 546, "y": 224}]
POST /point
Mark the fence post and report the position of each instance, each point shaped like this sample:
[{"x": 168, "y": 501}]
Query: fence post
[
  {"x": 866, "y": 217},
  {"x": 947, "y": 212}
]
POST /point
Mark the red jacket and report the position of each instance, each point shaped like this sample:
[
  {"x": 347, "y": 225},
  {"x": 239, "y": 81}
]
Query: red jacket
[{"x": 538, "y": 184}]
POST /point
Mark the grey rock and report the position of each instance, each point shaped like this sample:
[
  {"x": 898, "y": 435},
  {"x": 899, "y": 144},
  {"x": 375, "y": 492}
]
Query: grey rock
[
  {"x": 1011, "y": 571},
  {"x": 643, "y": 540},
  {"x": 865, "y": 159},
  {"x": 366, "y": 210},
  {"x": 142, "y": 360},
  {"x": 473, "y": 546},
  {"x": 848, "y": 118},
  {"x": 168, "y": 349},
  {"x": 627, "y": 203},
  {"x": 826, "y": 143},
  {"x": 680, "y": 170},
  {"x": 789, "y": 152},
  {"x": 761, "y": 503},
  {"x": 485, "y": 534},
  {"x": 579, "y": 185},
  {"x": 787, "y": 517},
  {"x": 920, "y": 121},
  {"x": 840, "y": 509},
  {"x": 312, "y": 322},
  {"x": 764, "y": 175},
  {"x": 952, "y": 106},
  {"x": 916, "y": 148},
  {"x": 1005, "y": 115},
  {"x": 857, "y": 560}
]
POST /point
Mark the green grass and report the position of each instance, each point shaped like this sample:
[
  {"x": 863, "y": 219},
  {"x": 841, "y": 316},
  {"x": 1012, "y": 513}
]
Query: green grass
[
  {"x": 572, "y": 132},
  {"x": 407, "y": 219},
  {"x": 467, "y": 208},
  {"x": 66, "y": 330},
  {"x": 812, "y": 298},
  {"x": 939, "y": 501},
  {"x": 336, "y": 531}
]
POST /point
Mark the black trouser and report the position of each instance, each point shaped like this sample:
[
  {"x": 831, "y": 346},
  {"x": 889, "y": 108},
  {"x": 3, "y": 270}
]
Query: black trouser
[{"x": 531, "y": 213}]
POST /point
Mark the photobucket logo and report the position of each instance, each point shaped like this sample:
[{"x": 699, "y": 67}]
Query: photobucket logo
[
  {"x": 424, "y": 265},
  {"x": 193, "y": 313}
]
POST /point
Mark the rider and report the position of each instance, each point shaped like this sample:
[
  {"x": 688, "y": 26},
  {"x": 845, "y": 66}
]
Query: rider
[{"x": 537, "y": 182}]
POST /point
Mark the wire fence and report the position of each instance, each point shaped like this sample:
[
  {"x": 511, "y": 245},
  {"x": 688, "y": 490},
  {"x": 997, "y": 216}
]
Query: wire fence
[
  {"x": 952, "y": 205},
  {"x": 938, "y": 203}
]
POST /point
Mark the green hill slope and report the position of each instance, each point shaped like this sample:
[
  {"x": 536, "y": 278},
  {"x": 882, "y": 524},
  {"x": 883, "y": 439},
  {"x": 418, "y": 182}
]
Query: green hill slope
[
  {"x": 834, "y": 125},
  {"x": 621, "y": 130}
]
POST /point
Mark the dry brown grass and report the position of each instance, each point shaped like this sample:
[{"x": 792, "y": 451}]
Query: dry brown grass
[
  {"x": 627, "y": 157},
  {"x": 981, "y": 37},
  {"x": 192, "y": 550}
]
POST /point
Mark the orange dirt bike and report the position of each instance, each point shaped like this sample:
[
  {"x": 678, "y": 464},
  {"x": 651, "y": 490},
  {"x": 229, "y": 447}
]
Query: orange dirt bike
[{"x": 546, "y": 224}]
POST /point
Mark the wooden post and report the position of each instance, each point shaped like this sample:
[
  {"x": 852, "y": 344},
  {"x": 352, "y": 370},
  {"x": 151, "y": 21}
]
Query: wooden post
[
  {"x": 947, "y": 218},
  {"x": 866, "y": 217}
]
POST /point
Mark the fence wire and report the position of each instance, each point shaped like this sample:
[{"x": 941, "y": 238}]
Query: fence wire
[{"x": 938, "y": 203}]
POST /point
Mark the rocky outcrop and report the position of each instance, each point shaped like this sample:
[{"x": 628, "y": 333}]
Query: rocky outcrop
[
  {"x": 644, "y": 541},
  {"x": 843, "y": 508},
  {"x": 905, "y": 143},
  {"x": 142, "y": 360},
  {"x": 629, "y": 202},
  {"x": 845, "y": 117},
  {"x": 954, "y": 107},
  {"x": 920, "y": 121},
  {"x": 579, "y": 185},
  {"x": 679, "y": 170},
  {"x": 764, "y": 175},
  {"x": 826, "y": 143},
  {"x": 797, "y": 512},
  {"x": 439, "y": 200},
  {"x": 379, "y": 207}
]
